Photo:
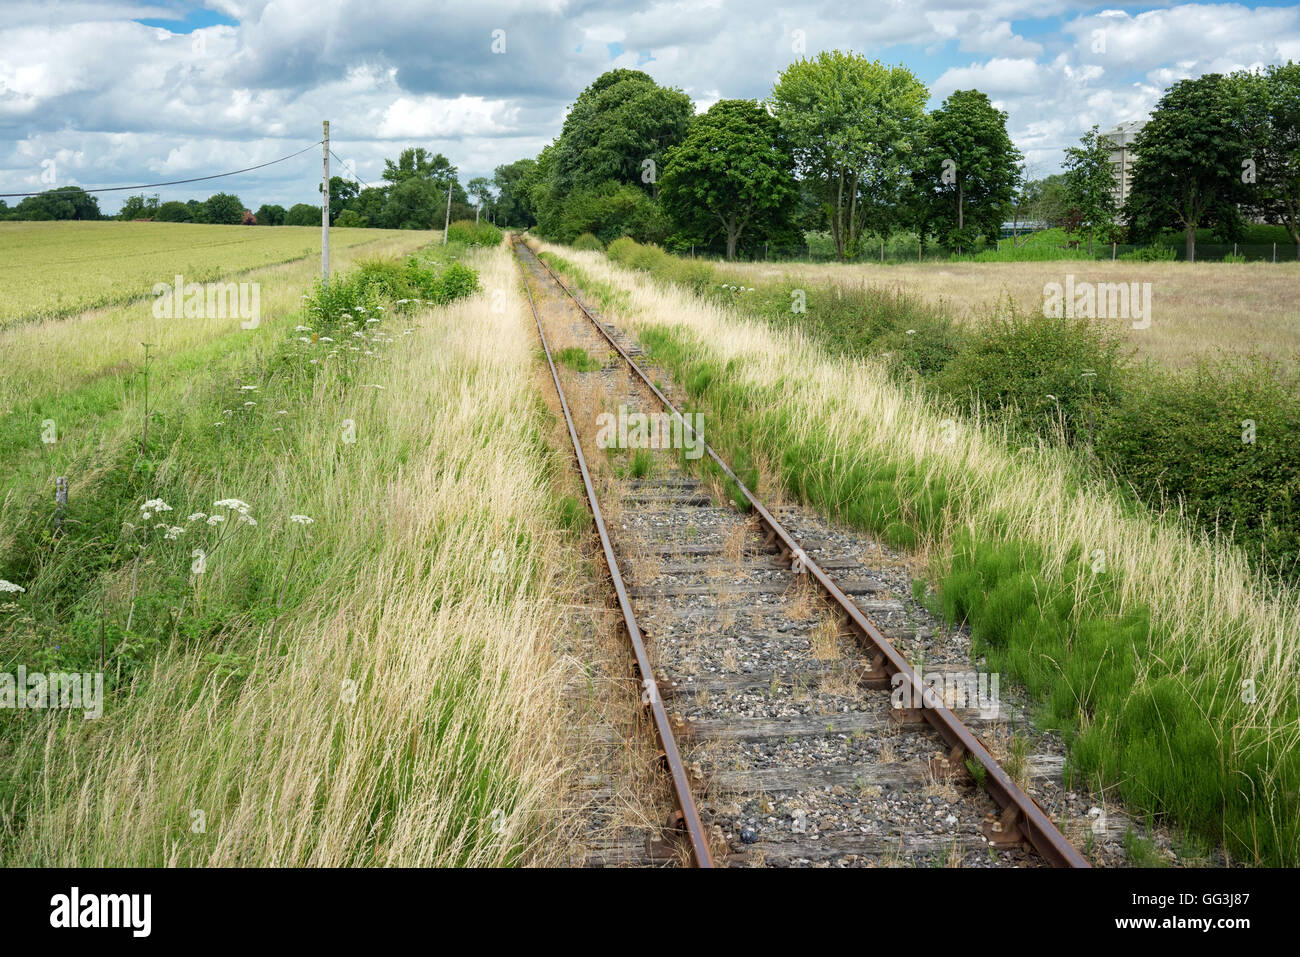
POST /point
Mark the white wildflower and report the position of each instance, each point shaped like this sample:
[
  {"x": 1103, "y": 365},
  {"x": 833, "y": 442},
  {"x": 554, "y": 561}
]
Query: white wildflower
[
  {"x": 196, "y": 517},
  {"x": 302, "y": 519},
  {"x": 215, "y": 519},
  {"x": 234, "y": 504},
  {"x": 11, "y": 587}
]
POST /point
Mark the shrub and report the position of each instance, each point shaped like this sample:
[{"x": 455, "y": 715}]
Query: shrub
[
  {"x": 588, "y": 241},
  {"x": 1225, "y": 439},
  {"x": 350, "y": 218},
  {"x": 473, "y": 234},
  {"x": 1051, "y": 375}
]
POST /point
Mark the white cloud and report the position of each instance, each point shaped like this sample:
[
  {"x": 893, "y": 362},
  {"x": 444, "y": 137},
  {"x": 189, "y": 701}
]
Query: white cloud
[{"x": 121, "y": 102}]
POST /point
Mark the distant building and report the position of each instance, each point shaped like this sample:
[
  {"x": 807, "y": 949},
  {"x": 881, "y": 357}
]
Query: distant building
[
  {"x": 1022, "y": 228},
  {"x": 1122, "y": 155}
]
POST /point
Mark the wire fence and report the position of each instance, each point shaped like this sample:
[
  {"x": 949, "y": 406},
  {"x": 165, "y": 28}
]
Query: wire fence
[{"x": 1006, "y": 252}]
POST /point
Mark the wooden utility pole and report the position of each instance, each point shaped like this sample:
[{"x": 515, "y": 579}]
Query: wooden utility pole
[
  {"x": 446, "y": 223},
  {"x": 325, "y": 210}
]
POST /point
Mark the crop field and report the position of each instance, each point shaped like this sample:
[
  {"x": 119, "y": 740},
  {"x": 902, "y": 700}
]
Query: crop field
[
  {"x": 1205, "y": 309},
  {"x": 56, "y": 269}
]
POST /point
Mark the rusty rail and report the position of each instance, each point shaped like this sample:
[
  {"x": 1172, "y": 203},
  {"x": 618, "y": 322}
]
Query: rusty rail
[
  {"x": 1022, "y": 818},
  {"x": 689, "y": 819}
]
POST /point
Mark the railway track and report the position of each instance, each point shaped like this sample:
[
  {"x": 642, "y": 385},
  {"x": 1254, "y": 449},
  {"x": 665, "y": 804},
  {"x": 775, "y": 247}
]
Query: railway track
[{"x": 765, "y": 662}]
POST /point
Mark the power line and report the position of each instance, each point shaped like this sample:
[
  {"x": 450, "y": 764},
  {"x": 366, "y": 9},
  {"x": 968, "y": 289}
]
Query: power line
[
  {"x": 351, "y": 169},
  {"x": 175, "y": 182}
]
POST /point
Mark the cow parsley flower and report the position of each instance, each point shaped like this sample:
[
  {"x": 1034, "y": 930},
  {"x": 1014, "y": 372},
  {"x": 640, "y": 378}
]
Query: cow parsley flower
[
  {"x": 302, "y": 519},
  {"x": 9, "y": 586}
]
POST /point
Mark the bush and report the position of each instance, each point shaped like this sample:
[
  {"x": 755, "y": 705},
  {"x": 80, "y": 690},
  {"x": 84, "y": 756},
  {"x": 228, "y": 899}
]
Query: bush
[
  {"x": 1225, "y": 439},
  {"x": 1050, "y": 375},
  {"x": 375, "y": 281},
  {"x": 350, "y": 218},
  {"x": 470, "y": 233},
  {"x": 588, "y": 241}
]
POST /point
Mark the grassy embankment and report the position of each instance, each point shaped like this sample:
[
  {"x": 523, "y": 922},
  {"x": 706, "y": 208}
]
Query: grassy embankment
[{"x": 375, "y": 686}]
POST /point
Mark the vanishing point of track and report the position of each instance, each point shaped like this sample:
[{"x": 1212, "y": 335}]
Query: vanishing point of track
[{"x": 1021, "y": 820}]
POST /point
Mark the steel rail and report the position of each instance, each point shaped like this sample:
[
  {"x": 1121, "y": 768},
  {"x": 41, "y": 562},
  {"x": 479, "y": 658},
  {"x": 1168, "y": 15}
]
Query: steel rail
[
  {"x": 1025, "y": 814},
  {"x": 650, "y": 697}
]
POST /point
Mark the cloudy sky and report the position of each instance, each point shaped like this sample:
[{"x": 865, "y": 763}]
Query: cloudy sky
[{"x": 117, "y": 93}]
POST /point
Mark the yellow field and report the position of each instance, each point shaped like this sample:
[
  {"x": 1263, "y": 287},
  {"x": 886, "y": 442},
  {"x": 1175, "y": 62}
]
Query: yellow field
[
  {"x": 60, "y": 268},
  {"x": 1206, "y": 308}
]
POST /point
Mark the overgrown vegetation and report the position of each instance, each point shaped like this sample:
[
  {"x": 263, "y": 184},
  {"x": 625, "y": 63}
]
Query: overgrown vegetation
[
  {"x": 1166, "y": 663},
  {"x": 239, "y": 561},
  {"x": 1167, "y": 436},
  {"x": 469, "y": 233}
]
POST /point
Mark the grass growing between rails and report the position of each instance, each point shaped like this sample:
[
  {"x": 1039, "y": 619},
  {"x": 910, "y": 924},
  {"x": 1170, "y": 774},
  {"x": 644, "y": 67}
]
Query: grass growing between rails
[
  {"x": 1222, "y": 437},
  {"x": 1170, "y": 666},
  {"x": 357, "y": 668}
]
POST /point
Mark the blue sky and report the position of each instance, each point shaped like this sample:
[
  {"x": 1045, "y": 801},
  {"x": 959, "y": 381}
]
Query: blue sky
[{"x": 116, "y": 92}]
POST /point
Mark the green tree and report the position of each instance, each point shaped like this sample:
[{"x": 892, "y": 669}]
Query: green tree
[
  {"x": 1278, "y": 165},
  {"x": 139, "y": 207},
  {"x": 479, "y": 190},
  {"x": 968, "y": 171},
  {"x": 415, "y": 162},
  {"x": 224, "y": 208},
  {"x": 302, "y": 214},
  {"x": 1189, "y": 161},
  {"x": 415, "y": 203},
  {"x": 270, "y": 215},
  {"x": 733, "y": 172},
  {"x": 350, "y": 218},
  {"x": 198, "y": 210},
  {"x": 854, "y": 126},
  {"x": 173, "y": 211},
  {"x": 513, "y": 182},
  {"x": 342, "y": 193},
  {"x": 66, "y": 202},
  {"x": 618, "y": 129},
  {"x": 1090, "y": 183},
  {"x": 369, "y": 204}
]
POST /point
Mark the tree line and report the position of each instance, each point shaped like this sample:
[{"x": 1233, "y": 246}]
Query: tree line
[
  {"x": 842, "y": 145},
  {"x": 845, "y": 145},
  {"x": 413, "y": 196}
]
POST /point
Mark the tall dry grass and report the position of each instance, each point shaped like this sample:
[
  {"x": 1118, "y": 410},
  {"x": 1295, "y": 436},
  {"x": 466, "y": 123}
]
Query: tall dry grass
[
  {"x": 406, "y": 711},
  {"x": 1202, "y": 309}
]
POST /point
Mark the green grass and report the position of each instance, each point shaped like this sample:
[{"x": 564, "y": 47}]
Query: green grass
[
  {"x": 577, "y": 358},
  {"x": 62, "y": 268},
  {"x": 112, "y": 590}
]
